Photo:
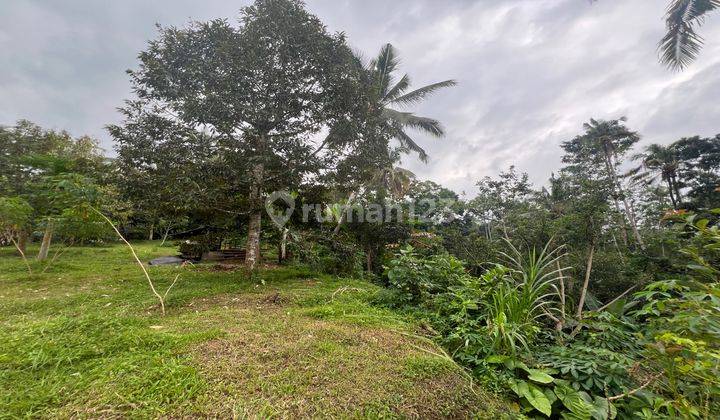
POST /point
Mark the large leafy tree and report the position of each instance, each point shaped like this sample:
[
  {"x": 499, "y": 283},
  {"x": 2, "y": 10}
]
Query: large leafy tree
[{"x": 262, "y": 88}]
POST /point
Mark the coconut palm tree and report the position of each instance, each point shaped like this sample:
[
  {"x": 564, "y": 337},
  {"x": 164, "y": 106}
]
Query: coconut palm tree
[
  {"x": 390, "y": 94},
  {"x": 602, "y": 145},
  {"x": 681, "y": 43},
  {"x": 663, "y": 162},
  {"x": 393, "y": 94}
]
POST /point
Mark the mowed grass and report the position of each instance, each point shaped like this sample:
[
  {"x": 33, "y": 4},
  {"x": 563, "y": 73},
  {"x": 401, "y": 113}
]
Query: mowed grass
[{"x": 86, "y": 339}]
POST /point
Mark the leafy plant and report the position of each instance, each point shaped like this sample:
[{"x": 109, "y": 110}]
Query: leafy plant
[
  {"x": 595, "y": 370},
  {"x": 419, "y": 279}
]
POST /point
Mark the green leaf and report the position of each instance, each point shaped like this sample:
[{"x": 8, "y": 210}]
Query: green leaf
[
  {"x": 496, "y": 359},
  {"x": 602, "y": 409},
  {"x": 539, "y": 400},
  {"x": 533, "y": 395},
  {"x": 573, "y": 401},
  {"x": 539, "y": 376}
]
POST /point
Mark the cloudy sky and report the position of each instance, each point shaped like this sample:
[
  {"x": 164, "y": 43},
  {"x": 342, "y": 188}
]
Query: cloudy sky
[{"x": 530, "y": 72}]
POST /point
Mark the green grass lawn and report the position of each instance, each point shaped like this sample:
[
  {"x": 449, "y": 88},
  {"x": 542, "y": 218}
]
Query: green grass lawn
[{"x": 86, "y": 339}]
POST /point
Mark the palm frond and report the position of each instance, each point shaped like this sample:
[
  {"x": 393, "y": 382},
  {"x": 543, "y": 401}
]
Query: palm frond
[
  {"x": 398, "y": 89},
  {"x": 418, "y": 95},
  {"x": 386, "y": 62},
  {"x": 681, "y": 44},
  {"x": 408, "y": 119},
  {"x": 407, "y": 142}
]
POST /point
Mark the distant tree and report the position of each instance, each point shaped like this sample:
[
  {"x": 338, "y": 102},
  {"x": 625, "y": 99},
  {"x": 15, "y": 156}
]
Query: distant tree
[
  {"x": 603, "y": 145},
  {"x": 35, "y": 156},
  {"x": 498, "y": 197},
  {"x": 689, "y": 166},
  {"x": 15, "y": 216},
  {"x": 662, "y": 162},
  {"x": 700, "y": 171}
]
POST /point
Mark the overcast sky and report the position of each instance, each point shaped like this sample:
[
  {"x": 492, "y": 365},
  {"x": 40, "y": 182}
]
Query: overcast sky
[{"x": 530, "y": 72}]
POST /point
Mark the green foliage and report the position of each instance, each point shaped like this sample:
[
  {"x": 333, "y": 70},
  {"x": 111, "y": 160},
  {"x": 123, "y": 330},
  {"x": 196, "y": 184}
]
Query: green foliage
[
  {"x": 15, "y": 215},
  {"x": 598, "y": 371},
  {"x": 337, "y": 255},
  {"x": 418, "y": 280}
]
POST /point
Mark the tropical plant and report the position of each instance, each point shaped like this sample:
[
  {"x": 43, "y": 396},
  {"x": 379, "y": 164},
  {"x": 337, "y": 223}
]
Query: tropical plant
[
  {"x": 392, "y": 93},
  {"x": 418, "y": 279},
  {"x": 662, "y": 162},
  {"x": 681, "y": 43}
]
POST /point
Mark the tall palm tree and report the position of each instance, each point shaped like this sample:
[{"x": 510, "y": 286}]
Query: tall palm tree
[
  {"x": 663, "y": 162},
  {"x": 391, "y": 93},
  {"x": 681, "y": 43},
  {"x": 603, "y": 144}
]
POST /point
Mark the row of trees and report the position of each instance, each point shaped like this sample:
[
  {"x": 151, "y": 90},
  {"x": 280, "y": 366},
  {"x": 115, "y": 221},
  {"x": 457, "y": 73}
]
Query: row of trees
[{"x": 47, "y": 180}]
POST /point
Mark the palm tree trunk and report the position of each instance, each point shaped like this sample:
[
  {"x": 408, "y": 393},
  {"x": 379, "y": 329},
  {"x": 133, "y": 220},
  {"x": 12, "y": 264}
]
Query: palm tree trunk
[
  {"x": 47, "y": 238},
  {"x": 619, "y": 189},
  {"x": 672, "y": 195},
  {"x": 252, "y": 251},
  {"x": 678, "y": 197}
]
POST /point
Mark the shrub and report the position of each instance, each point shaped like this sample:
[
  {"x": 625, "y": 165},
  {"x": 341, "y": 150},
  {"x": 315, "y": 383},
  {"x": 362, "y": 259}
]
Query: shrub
[
  {"x": 595, "y": 370},
  {"x": 337, "y": 255},
  {"x": 419, "y": 279}
]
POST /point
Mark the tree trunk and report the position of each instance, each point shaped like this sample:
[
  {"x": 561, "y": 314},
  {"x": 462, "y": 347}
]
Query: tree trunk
[
  {"x": 583, "y": 292},
  {"x": 623, "y": 224},
  {"x": 619, "y": 189},
  {"x": 369, "y": 260},
  {"x": 165, "y": 236},
  {"x": 252, "y": 251},
  {"x": 678, "y": 197},
  {"x": 283, "y": 244},
  {"x": 633, "y": 223},
  {"x": 343, "y": 214},
  {"x": 47, "y": 238},
  {"x": 672, "y": 196},
  {"x": 151, "y": 235},
  {"x": 22, "y": 242}
]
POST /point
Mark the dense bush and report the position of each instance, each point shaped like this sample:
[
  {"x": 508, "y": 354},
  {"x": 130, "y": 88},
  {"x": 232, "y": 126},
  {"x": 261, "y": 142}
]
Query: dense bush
[
  {"x": 336, "y": 255},
  {"x": 654, "y": 354},
  {"x": 417, "y": 280}
]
